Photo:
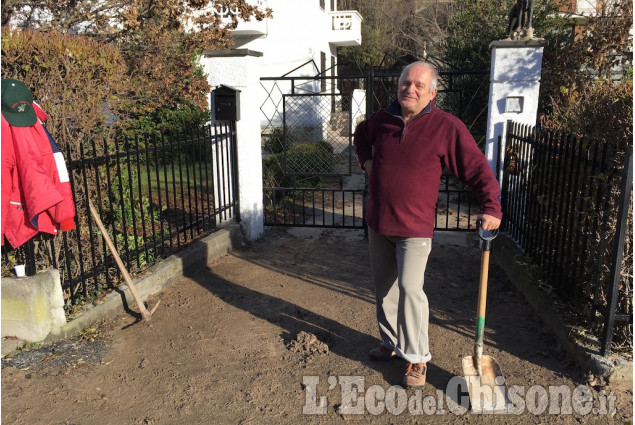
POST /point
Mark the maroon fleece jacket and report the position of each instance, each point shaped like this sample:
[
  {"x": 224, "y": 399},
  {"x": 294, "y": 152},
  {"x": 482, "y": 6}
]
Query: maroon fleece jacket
[{"x": 408, "y": 160}]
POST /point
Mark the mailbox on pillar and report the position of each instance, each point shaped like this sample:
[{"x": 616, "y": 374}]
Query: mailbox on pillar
[{"x": 226, "y": 103}]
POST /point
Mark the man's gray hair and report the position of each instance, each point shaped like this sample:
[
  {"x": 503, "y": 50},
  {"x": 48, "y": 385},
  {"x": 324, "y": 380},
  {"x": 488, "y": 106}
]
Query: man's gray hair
[{"x": 432, "y": 68}]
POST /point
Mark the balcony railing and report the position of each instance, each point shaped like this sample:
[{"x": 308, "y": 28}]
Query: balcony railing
[{"x": 346, "y": 28}]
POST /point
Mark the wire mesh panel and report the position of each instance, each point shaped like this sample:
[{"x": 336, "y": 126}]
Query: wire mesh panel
[
  {"x": 310, "y": 173},
  {"x": 317, "y": 135}
]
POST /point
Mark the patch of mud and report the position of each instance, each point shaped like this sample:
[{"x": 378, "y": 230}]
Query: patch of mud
[
  {"x": 308, "y": 345},
  {"x": 62, "y": 354}
]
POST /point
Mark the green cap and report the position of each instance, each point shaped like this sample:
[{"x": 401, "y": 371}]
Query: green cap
[{"x": 17, "y": 103}]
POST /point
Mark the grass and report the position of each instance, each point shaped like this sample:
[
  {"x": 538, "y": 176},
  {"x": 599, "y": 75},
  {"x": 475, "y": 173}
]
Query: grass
[{"x": 198, "y": 172}]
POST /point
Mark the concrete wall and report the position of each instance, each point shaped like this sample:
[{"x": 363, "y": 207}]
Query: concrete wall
[
  {"x": 514, "y": 82},
  {"x": 32, "y": 307},
  {"x": 239, "y": 69}
]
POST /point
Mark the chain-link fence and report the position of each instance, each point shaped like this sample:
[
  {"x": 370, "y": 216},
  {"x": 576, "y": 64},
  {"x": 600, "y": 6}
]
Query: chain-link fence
[
  {"x": 307, "y": 141},
  {"x": 310, "y": 172}
]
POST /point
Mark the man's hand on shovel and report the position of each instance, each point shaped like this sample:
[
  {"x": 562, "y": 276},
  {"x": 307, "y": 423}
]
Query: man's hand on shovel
[{"x": 488, "y": 222}]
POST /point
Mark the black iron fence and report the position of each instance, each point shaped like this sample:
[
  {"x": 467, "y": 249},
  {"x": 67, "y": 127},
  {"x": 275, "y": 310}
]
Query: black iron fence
[
  {"x": 311, "y": 207},
  {"x": 566, "y": 202},
  {"x": 154, "y": 194}
]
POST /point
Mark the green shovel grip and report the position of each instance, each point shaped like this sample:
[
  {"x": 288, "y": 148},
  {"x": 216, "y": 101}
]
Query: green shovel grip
[{"x": 480, "y": 329}]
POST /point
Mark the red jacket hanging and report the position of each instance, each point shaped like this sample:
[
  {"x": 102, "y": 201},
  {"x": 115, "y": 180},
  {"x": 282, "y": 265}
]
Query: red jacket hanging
[{"x": 36, "y": 192}]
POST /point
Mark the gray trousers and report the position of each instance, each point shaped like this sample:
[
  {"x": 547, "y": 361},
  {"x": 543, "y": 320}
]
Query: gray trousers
[{"x": 398, "y": 266}]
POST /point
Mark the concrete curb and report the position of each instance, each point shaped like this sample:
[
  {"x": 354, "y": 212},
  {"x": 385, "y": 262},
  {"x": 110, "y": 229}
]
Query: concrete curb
[
  {"x": 556, "y": 317},
  {"x": 182, "y": 264}
]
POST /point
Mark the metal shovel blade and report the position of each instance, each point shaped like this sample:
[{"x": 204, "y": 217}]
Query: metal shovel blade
[{"x": 488, "y": 393}]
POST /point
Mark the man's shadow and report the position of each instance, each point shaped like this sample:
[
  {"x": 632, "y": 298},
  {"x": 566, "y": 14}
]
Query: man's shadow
[{"x": 342, "y": 340}]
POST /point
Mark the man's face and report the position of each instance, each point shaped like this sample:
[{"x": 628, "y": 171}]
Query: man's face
[{"x": 414, "y": 93}]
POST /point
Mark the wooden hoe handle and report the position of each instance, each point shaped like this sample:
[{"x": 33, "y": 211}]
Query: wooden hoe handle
[{"x": 147, "y": 315}]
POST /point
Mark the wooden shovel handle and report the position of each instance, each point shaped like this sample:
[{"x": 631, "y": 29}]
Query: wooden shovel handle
[
  {"x": 486, "y": 241},
  {"x": 482, "y": 287}
]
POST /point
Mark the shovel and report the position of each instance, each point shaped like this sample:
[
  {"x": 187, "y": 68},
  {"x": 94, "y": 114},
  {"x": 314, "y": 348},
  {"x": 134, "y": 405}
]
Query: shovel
[{"x": 483, "y": 375}]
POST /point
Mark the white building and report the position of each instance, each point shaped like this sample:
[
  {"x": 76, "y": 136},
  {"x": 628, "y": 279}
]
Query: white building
[
  {"x": 302, "y": 37},
  {"x": 300, "y": 40}
]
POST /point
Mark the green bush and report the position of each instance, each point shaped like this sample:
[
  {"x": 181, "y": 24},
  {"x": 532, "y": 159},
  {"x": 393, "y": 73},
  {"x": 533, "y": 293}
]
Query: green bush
[
  {"x": 602, "y": 111},
  {"x": 306, "y": 160},
  {"x": 148, "y": 119},
  {"x": 78, "y": 81},
  {"x": 275, "y": 142},
  {"x": 82, "y": 84}
]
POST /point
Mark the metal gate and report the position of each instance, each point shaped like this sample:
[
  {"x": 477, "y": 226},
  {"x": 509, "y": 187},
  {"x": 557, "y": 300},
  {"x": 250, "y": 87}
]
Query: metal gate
[{"x": 310, "y": 172}]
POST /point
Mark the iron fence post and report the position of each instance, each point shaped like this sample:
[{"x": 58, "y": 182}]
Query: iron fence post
[
  {"x": 622, "y": 218},
  {"x": 31, "y": 267},
  {"x": 236, "y": 176},
  {"x": 370, "y": 89}
]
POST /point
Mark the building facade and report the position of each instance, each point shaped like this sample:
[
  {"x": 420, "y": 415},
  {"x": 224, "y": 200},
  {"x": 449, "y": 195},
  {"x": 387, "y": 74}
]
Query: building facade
[{"x": 302, "y": 37}]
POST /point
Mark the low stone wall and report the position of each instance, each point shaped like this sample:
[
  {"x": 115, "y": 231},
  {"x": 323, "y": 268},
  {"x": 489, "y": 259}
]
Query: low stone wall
[{"x": 33, "y": 306}]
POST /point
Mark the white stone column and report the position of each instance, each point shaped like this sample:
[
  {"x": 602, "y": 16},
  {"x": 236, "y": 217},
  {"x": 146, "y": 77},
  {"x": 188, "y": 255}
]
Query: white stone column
[
  {"x": 514, "y": 88},
  {"x": 239, "y": 69}
]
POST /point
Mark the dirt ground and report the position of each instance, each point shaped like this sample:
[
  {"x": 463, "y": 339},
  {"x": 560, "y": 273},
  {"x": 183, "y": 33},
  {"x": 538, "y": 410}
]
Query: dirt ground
[{"x": 279, "y": 333}]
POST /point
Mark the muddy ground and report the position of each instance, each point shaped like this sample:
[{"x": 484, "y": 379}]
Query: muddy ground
[{"x": 260, "y": 336}]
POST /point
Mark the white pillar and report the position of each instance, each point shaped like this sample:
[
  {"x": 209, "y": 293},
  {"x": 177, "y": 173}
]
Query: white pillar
[
  {"x": 514, "y": 89},
  {"x": 239, "y": 69}
]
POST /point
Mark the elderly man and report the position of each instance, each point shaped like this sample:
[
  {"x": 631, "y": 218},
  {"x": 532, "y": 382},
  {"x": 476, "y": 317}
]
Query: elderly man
[{"x": 404, "y": 149}]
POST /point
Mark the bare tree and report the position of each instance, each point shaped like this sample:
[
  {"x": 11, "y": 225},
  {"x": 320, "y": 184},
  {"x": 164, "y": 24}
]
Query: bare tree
[
  {"x": 404, "y": 27},
  {"x": 64, "y": 15}
]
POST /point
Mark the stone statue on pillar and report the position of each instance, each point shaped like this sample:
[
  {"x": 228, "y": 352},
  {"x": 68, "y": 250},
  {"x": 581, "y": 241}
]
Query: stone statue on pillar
[{"x": 520, "y": 20}]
